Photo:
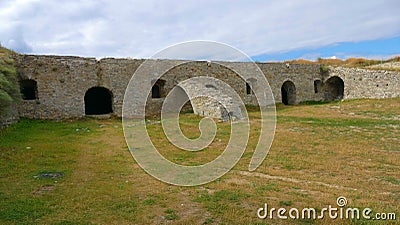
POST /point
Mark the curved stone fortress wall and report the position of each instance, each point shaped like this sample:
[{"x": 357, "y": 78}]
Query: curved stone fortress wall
[{"x": 64, "y": 85}]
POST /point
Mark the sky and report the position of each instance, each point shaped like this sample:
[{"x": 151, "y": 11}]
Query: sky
[{"x": 272, "y": 30}]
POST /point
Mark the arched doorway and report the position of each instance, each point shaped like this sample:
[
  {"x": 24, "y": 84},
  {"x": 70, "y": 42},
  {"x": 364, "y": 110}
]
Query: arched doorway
[
  {"x": 288, "y": 91},
  {"x": 334, "y": 88},
  {"x": 98, "y": 101}
]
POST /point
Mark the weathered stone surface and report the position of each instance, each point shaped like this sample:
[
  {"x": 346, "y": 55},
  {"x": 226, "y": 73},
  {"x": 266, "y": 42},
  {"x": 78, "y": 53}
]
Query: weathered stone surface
[
  {"x": 213, "y": 98},
  {"x": 362, "y": 83},
  {"x": 62, "y": 82},
  {"x": 11, "y": 116}
]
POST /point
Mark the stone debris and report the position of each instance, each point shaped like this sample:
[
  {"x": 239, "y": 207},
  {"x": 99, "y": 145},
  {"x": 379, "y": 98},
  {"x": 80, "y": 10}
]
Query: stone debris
[{"x": 213, "y": 99}]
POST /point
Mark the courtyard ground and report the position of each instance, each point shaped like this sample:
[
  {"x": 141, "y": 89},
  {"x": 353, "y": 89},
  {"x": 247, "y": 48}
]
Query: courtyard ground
[{"x": 81, "y": 172}]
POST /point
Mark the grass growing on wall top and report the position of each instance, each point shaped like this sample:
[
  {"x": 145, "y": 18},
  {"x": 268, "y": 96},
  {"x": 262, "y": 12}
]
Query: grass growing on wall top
[{"x": 372, "y": 64}]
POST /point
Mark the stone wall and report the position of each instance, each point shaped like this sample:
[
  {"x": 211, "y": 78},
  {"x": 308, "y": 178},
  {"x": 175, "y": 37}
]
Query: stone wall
[
  {"x": 11, "y": 116},
  {"x": 62, "y": 82},
  {"x": 301, "y": 75},
  {"x": 362, "y": 83}
]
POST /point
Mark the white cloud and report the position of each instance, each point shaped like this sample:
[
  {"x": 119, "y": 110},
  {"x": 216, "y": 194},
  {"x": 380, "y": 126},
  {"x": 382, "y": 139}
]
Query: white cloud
[
  {"x": 141, "y": 28},
  {"x": 202, "y": 50}
]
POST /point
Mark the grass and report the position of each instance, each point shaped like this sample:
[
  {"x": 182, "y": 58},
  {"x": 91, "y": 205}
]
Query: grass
[
  {"x": 9, "y": 93},
  {"x": 320, "y": 152},
  {"x": 171, "y": 214}
]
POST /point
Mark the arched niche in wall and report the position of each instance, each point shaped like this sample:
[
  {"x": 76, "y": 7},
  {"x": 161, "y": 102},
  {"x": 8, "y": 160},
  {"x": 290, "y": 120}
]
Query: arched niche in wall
[
  {"x": 288, "y": 92},
  {"x": 157, "y": 90},
  {"x": 250, "y": 84},
  {"x": 317, "y": 86},
  {"x": 28, "y": 89}
]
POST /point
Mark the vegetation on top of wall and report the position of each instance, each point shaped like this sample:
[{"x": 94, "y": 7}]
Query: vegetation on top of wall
[
  {"x": 324, "y": 69},
  {"x": 9, "y": 91},
  {"x": 351, "y": 62}
]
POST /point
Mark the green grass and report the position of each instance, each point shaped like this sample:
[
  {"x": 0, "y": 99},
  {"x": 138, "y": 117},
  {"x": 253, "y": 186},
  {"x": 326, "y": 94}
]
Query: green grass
[
  {"x": 171, "y": 214},
  {"x": 320, "y": 152},
  {"x": 285, "y": 203},
  {"x": 392, "y": 180},
  {"x": 269, "y": 187},
  {"x": 9, "y": 88}
]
